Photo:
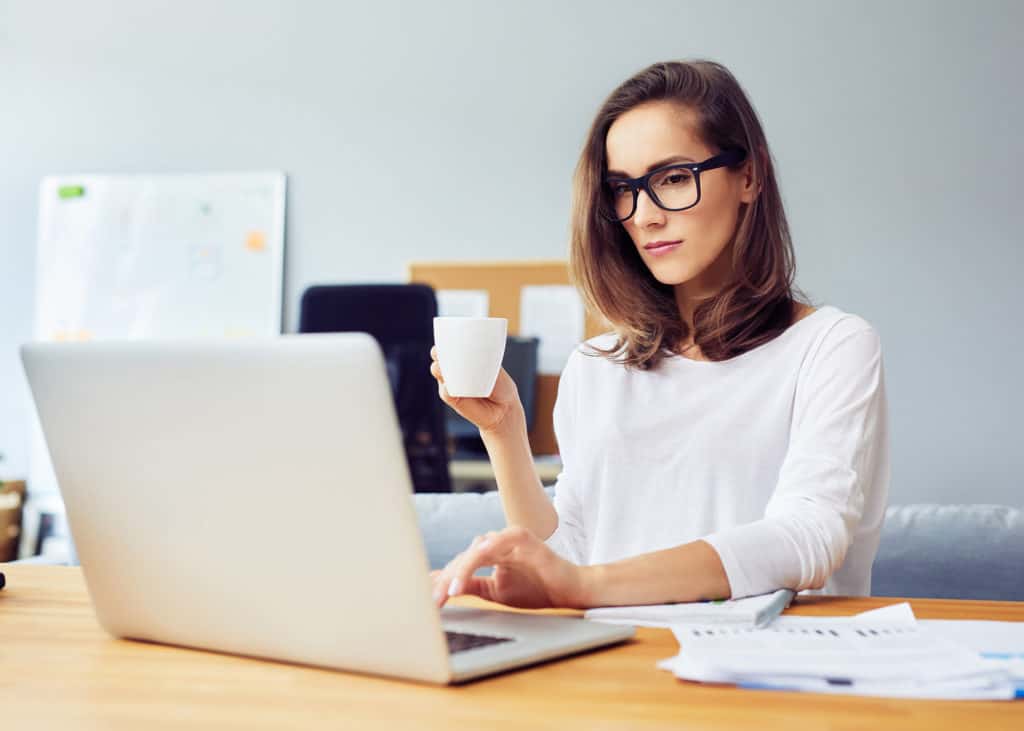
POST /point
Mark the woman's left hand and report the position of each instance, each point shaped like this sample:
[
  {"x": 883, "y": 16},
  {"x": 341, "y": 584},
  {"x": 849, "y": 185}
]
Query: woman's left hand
[{"x": 527, "y": 573}]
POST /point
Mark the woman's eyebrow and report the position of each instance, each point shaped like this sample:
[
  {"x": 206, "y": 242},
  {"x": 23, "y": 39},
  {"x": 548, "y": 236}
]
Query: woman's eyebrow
[{"x": 653, "y": 165}]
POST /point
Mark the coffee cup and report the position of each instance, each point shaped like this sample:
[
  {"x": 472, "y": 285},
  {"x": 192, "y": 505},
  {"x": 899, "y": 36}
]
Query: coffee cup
[{"x": 469, "y": 353}]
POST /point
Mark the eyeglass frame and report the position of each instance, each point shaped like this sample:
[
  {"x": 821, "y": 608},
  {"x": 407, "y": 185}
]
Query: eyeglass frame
[{"x": 731, "y": 156}]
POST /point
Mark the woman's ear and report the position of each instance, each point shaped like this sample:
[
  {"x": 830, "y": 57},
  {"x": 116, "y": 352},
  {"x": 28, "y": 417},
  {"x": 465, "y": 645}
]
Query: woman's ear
[{"x": 751, "y": 186}]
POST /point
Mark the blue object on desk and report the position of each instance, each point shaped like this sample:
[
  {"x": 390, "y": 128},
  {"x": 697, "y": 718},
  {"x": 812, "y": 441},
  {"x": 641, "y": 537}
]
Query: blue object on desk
[{"x": 782, "y": 599}]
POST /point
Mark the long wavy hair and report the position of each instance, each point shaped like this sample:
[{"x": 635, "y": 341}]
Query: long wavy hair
[{"x": 757, "y": 305}]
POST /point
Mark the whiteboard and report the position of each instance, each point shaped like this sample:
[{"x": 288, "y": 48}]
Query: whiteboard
[{"x": 154, "y": 256}]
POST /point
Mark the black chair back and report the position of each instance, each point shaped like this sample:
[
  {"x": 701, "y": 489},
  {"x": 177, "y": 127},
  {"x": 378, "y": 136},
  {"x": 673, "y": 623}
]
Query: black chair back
[{"x": 401, "y": 318}]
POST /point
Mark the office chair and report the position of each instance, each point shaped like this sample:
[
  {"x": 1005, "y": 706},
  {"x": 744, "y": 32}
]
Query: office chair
[{"x": 401, "y": 318}]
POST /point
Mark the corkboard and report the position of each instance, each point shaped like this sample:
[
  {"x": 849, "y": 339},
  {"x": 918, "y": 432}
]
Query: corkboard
[{"x": 503, "y": 281}]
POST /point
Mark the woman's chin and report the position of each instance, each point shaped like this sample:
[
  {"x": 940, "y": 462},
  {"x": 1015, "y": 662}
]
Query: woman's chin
[{"x": 669, "y": 274}]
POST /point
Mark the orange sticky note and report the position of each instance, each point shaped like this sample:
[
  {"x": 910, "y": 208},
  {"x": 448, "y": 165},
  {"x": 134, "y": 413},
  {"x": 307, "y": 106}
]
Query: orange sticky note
[{"x": 256, "y": 241}]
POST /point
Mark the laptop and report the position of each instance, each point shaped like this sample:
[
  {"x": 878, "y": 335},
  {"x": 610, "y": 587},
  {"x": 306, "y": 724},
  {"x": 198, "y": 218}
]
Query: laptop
[{"x": 253, "y": 497}]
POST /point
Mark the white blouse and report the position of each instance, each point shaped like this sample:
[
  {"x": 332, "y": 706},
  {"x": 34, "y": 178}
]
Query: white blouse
[{"x": 778, "y": 457}]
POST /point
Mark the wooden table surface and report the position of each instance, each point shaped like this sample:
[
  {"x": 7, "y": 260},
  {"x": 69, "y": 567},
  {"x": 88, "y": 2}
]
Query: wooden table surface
[{"x": 58, "y": 669}]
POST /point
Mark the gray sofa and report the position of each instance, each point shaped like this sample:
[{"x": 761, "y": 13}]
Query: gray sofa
[{"x": 945, "y": 551}]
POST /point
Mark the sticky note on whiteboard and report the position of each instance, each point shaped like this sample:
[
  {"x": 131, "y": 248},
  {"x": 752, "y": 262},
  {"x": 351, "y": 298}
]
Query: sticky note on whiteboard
[
  {"x": 463, "y": 302},
  {"x": 256, "y": 241},
  {"x": 555, "y": 314}
]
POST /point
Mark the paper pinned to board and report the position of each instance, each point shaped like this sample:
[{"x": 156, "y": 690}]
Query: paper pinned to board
[
  {"x": 555, "y": 314},
  {"x": 463, "y": 302}
]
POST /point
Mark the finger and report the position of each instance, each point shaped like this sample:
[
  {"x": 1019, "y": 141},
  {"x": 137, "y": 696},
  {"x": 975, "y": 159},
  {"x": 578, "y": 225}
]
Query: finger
[
  {"x": 435, "y": 371},
  {"x": 433, "y": 353},
  {"x": 443, "y": 577},
  {"x": 440, "y": 589},
  {"x": 485, "y": 552},
  {"x": 442, "y": 585},
  {"x": 442, "y": 391},
  {"x": 481, "y": 586}
]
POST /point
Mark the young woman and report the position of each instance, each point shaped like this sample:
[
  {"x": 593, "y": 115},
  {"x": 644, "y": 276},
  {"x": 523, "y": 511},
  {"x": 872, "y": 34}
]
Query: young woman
[{"x": 726, "y": 439}]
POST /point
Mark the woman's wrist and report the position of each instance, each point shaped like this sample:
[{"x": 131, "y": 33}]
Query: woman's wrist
[
  {"x": 512, "y": 425},
  {"x": 590, "y": 587}
]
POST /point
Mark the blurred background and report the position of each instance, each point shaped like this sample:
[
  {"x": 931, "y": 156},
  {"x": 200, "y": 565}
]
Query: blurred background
[{"x": 448, "y": 131}]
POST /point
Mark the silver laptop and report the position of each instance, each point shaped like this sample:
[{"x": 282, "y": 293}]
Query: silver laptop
[{"x": 253, "y": 497}]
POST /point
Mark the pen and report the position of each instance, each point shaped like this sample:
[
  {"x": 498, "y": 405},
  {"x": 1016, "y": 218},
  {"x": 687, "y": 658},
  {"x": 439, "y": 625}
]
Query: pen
[
  {"x": 779, "y": 602},
  {"x": 3, "y": 580}
]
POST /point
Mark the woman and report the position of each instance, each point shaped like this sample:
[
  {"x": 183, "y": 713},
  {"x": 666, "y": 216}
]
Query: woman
[{"x": 726, "y": 439}]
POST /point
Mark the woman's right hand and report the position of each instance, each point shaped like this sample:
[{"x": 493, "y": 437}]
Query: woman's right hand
[{"x": 488, "y": 414}]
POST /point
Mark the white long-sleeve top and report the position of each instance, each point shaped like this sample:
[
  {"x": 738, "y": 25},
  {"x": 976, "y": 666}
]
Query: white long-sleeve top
[{"x": 778, "y": 457}]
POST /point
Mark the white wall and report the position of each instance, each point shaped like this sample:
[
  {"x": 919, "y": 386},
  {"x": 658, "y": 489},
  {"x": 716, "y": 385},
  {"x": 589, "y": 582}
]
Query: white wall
[{"x": 449, "y": 130}]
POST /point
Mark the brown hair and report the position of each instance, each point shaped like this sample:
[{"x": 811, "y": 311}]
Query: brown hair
[{"x": 612, "y": 278}]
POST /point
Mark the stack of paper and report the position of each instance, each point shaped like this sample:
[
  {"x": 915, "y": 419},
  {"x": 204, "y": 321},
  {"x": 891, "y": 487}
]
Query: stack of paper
[
  {"x": 754, "y": 611},
  {"x": 881, "y": 653}
]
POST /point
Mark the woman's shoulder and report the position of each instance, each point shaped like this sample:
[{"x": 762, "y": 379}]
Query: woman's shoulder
[
  {"x": 836, "y": 324},
  {"x": 842, "y": 336}
]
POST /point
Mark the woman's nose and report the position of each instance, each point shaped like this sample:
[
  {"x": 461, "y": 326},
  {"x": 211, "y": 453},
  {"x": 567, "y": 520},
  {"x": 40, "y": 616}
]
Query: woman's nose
[{"x": 646, "y": 211}]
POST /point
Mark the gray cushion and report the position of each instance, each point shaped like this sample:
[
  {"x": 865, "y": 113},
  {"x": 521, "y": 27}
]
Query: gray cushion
[
  {"x": 951, "y": 551},
  {"x": 450, "y": 521},
  {"x": 944, "y": 551}
]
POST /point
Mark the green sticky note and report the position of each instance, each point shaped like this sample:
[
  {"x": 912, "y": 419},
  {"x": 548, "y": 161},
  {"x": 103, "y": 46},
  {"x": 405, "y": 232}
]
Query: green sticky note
[{"x": 71, "y": 191}]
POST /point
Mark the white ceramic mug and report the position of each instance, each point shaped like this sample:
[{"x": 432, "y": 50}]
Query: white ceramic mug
[{"x": 469, "y": 352}]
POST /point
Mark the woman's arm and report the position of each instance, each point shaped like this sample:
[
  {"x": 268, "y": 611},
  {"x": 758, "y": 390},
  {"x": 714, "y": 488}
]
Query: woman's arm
[
  {"x": 836, "y": 464},
  {"x": 522, "y": 495},
  {"x": 502, "y": 423},
  {"x": 528, "y": 573},
  {"x": 687, "y": 573}
]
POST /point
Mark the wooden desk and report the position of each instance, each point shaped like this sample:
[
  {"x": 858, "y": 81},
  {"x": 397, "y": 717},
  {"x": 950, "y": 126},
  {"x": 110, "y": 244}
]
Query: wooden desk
[{"x": 58, "y": 669}]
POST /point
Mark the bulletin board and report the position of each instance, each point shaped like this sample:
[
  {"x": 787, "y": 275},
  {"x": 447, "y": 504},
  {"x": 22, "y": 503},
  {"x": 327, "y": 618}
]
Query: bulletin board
[{"x": 505, "y": 283}]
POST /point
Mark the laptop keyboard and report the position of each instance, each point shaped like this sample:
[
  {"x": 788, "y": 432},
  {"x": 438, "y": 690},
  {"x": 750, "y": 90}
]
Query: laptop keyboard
[{"x": 462, "y": 641}]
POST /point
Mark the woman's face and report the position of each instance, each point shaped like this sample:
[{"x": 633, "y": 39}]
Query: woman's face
[{"x": 649, "y": 136}]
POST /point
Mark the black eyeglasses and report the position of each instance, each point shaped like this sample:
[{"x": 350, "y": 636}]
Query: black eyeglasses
[{"x": 674, "y": 187}]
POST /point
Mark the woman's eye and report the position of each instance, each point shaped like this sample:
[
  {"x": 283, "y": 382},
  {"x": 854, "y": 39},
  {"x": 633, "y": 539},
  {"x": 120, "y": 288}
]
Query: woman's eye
[{"x": 677, "y": 179}]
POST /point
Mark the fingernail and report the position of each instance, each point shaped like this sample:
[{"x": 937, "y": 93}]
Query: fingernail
[
  {"x": 485, "y": 543},
  {"x": 454, "y": 588}
]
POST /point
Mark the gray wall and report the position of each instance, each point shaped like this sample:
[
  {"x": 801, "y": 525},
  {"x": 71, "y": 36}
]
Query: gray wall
[{"x": 449, "y": 130}]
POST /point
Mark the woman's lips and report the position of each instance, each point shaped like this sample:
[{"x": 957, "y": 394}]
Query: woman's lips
[{"x": 658, "y": 248}]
